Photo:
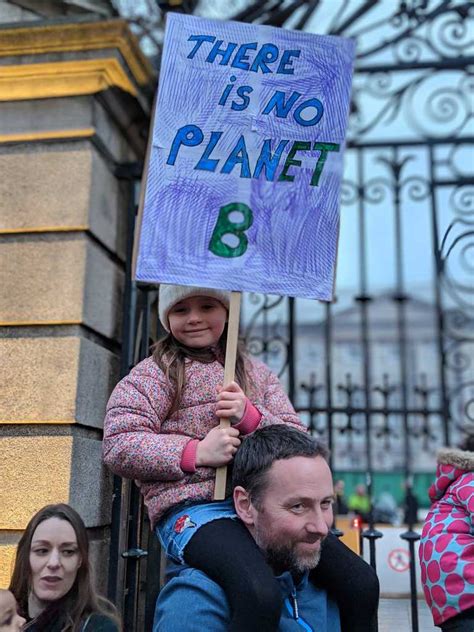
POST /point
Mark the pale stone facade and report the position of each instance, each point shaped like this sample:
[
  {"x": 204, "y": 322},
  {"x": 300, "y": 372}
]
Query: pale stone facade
[{"x": 74, "y": 105}]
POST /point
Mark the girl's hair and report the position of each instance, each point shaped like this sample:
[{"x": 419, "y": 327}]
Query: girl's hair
[
  {"x": 170, "y": 355},
  {"x": 81, "y": 600}
]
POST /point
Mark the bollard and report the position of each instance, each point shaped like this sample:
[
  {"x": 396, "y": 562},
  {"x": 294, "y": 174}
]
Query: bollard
[
  {"x": 371, "y": 534},
  {"x": 411, "y": 537}
]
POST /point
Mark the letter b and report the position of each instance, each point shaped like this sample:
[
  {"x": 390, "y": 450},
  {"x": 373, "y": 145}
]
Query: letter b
[{"x": 225, "y": 226}]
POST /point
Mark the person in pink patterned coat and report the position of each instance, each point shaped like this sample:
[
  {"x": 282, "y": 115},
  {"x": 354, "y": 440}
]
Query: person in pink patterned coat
[
  {"x": 162, "y": 429},
  {"x": 151, "y": 438},
  {"x": 447, "y": 542}
]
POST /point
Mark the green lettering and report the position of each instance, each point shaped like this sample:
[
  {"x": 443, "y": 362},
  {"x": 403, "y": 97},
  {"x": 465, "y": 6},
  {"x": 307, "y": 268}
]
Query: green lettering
[
  {"x": 324, "y": 148},
  {"x": 224, "y": 226},
  {"x": 297, "y": 146}
]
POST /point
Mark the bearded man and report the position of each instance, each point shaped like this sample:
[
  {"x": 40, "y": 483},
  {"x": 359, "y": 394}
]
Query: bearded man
[{"x": 283, "y": 493}]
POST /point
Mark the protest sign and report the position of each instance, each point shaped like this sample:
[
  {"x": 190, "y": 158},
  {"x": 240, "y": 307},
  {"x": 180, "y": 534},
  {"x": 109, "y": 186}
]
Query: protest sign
[{"x": 246, "y": 158}]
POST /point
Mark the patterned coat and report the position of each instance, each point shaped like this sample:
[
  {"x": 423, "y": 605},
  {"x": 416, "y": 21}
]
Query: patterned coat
[
  {"x": 144, "y": 442},
  {"x": 447, "y": 541}
]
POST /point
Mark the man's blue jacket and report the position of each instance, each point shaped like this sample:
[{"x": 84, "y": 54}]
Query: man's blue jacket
[{"x": 193, "y": 602}]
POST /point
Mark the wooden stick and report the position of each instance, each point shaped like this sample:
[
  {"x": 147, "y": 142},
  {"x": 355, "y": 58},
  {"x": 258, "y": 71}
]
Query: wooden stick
[{"x": 229, "y": 373}]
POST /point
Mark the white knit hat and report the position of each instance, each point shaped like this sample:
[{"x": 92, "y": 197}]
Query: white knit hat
[{"x": 169, "y": 295}]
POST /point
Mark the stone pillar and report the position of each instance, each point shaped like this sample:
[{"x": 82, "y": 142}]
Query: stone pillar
[{"x": 74, "y": 105}]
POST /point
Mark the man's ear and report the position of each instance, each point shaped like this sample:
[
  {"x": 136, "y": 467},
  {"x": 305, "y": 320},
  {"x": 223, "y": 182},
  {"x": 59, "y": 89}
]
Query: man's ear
[{"x": 243, "y": 506}]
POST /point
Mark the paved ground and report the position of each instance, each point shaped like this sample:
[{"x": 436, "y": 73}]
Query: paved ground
[{"x": 395, "y": 616}]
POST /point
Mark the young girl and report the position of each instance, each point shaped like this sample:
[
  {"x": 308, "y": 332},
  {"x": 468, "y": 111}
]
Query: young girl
[
  {"x": 162, "y": 429},
  {"x": 10, "y": 620},
  {"x": 447, "y": 542}
]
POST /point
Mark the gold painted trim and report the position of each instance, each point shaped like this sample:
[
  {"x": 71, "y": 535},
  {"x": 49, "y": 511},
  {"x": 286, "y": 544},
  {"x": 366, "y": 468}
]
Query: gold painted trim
[
  {"x": 54, "y": 134},
  {"x": 62, "y": 78},
  {"x": 44, "y": 229},
  {"x": 36, "y": 323},
  {"x": 37, "y": 40},
  {"x": 58, "y": 422}
]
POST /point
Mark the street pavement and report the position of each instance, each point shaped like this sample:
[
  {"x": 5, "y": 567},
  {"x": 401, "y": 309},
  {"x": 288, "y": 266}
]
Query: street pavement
[{"x": 395, "y": 616}]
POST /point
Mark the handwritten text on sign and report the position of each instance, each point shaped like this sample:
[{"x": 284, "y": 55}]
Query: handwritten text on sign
[{"x": 244, "y": 176}]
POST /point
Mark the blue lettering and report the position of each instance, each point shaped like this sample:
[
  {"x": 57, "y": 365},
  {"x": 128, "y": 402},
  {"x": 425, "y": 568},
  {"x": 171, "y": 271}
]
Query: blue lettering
[
  {"x": 278, "y": 102},
  {"x": 286, "y": 63},
  {"x": 310, "y": 103},
  {"x": 242, "y": 92},
  {"x": 199, "y": 39},
  {"x": 189, "y": 135},
  {"x": 238, "y": 156},
  {"x": 266, "y": 55},
  {"x": 225, "y": 53},
  {"x": 267, "y": 161},
  {"x": 205, "y": 163},
  {"x": 227, "y": 90},
  {"x": 241, "y": 58}
]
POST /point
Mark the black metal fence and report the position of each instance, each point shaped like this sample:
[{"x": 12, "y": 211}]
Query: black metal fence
[{"x": 384, "y": 374}]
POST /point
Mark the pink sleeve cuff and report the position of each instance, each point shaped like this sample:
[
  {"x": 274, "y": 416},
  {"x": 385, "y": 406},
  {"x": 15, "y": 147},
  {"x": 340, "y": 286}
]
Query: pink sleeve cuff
[
  {"x": 250, "y": 419},
  {"x": 188, "y": 458}
]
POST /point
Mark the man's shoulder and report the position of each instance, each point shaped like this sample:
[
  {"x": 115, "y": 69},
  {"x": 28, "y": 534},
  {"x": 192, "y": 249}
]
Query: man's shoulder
[
  {"x": 185, "y": 575},
  {"x": 188, "y": 599},
  {"x": 192, "y": 598},
  {"x": 192, "y": 580}
]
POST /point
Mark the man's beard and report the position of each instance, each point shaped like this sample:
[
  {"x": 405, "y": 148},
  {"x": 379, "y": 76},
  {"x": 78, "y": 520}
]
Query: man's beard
[{"x": 285, "y": 558}]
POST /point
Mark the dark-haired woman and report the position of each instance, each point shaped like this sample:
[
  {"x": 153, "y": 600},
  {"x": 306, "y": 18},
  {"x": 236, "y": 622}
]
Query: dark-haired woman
[{"x": 51, "y": 579}]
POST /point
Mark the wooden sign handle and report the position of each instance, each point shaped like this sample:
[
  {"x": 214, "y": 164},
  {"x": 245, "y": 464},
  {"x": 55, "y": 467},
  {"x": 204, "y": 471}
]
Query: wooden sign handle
[{"x": 229, "y": 373}]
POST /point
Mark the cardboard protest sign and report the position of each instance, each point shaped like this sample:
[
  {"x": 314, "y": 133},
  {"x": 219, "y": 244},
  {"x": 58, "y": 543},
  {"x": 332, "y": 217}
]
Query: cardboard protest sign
[{"x": 246, "y": 159}]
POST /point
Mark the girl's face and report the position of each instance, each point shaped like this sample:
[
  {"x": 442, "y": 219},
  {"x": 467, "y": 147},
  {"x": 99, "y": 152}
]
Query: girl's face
[
  {"x": 10, "y": 620},
  {"x": 197, "y": 321},
  {"x": 54, "y": 560}
]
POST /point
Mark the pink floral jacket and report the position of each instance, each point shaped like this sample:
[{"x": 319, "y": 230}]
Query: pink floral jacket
[
  {"x": 144, "y": 442},
  {"x": 447, "y": 541}
]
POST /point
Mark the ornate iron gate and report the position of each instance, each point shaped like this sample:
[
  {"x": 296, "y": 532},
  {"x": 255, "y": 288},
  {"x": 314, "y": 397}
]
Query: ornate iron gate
[{"x": 383, "y": 374}]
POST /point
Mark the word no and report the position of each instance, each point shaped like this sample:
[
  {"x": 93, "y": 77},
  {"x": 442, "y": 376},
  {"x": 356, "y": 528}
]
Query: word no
[
  {"x": 277, "y": 102},
  {"x": 267, "y": 162},
  {"x": 268, "y": 54}
]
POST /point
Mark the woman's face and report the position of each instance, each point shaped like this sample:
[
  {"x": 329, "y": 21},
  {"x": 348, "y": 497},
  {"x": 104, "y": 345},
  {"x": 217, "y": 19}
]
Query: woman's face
[
  {"x": 54, "y": 559},
  {"x": 10, "y": 620}
]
